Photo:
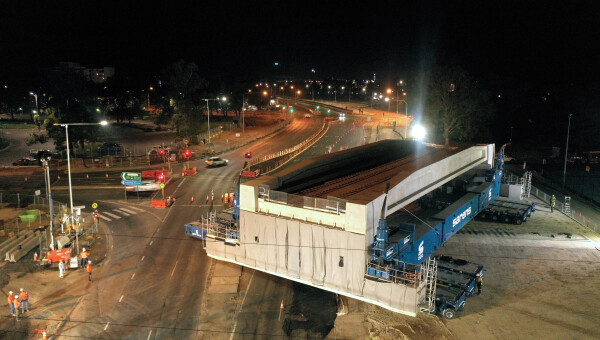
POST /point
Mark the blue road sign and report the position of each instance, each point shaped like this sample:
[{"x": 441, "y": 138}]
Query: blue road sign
[{"x": 131, "y": 182}]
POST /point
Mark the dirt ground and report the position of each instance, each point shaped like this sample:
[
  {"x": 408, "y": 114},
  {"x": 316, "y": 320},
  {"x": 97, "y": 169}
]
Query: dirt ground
[{"x": 541, "y": 282}]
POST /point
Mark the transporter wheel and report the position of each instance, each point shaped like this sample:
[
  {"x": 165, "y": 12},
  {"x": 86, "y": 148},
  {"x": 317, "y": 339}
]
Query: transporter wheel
[
  {"x": 494, "y": 217},
  {"x": 449, "y": 313},
  {"x": 506, "y": 219},
  {"x": 519, "y": 221}
]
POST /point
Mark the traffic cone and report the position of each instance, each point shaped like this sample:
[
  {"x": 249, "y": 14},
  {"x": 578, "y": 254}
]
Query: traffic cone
[
  {"x": 25, "y": 179},
  {"x": 35, "y": 255},
  {"x": 206, "y": 198},
  {"x": 87, "y": 176},
  {"x": 222, "y": 196},
  {"x": 44, "y": 336},
  {"x": 59, "y": 177},
  {"x": 107, "y": 175},
  {"x": 192, "y": 199}
]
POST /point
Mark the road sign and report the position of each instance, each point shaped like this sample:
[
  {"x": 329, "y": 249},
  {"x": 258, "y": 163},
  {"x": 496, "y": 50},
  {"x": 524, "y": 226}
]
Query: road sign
[
  {"x": 131, "y": 176},
  {"x": 131, "y": 182},
  {"x": 162, "y": 185},
  {"x": 94, "y": 205}
]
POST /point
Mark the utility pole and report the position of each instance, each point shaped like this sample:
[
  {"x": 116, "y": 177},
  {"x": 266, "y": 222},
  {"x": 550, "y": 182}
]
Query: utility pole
[{"x": 567, "y": 150}]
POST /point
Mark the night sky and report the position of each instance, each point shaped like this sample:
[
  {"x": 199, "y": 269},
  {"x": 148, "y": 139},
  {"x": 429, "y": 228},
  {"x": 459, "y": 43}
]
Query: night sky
[{"x": 538, "y": 43}]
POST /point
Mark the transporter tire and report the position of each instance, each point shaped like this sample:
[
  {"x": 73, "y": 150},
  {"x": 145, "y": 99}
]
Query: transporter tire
[
  {"x": 506, "y": 219},
  {"x": 494, "y": 217},
  {"x": 519, "y": 221},
  {"x": 449, "y": 313}
]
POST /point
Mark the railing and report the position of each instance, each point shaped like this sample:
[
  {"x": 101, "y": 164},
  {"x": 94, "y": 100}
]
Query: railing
[
  {"x": 407, "y": 274},
  {"x": 329, "y": 205}
]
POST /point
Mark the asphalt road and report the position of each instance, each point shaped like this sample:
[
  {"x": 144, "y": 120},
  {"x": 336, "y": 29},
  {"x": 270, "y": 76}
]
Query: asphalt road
[{"x": 150, "y": 285}]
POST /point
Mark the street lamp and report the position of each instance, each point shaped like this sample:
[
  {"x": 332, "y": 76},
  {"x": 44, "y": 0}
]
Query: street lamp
[
  {"x": 36, "y": 101},
  {"x": 66, "y": 126},
  {"x": 567, "y": 150},
  {"x": 208, "y": 111}
]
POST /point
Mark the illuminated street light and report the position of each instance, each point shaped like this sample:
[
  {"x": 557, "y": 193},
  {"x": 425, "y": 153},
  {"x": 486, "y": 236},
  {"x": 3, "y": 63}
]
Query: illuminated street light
[
  {"x": 389, "y": 90},
  {"x": 418, "y": 132},
  {"x": 66, "y": 126}
]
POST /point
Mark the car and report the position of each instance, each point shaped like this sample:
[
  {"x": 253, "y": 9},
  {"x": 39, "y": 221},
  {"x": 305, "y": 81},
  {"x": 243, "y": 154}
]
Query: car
[
  {"x": 248, "y": 154},
  {"x": 146, "y": 186},
  {"x": 110, "y": 149},
  {"x": 216, "y": 161},
  {"x": 25, "y": 162},
  {"x": 307, "y": 115},
  {"x": 43, "y": 154}
]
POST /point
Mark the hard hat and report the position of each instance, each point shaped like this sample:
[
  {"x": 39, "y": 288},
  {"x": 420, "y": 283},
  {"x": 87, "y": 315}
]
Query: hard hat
[
  {"x": 10, "y": 292},
  {"x": 89, "y": 262},
  {"x": 83, "y": 249},
  {"x": 477, "y": 275},
  {"x": 21, "y": 289},
  {"x": 16, "y": 296}
]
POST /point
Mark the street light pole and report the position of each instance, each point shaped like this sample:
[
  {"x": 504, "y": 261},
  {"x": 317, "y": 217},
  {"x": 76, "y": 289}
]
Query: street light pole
[
  {"x": 66, "y": 126},
  {"x": 567, "y": 150}
]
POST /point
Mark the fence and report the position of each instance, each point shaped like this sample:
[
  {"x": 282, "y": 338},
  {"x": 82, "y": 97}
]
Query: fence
[
  {"x": 331, "y": 205},
  {"x": 576, "y": 215},
  {"x": 42, "y": 216}
]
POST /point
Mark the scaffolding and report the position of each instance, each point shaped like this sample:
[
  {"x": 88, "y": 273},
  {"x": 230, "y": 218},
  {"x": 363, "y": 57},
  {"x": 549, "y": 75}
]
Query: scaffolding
[{"x": 429, "y": 279}]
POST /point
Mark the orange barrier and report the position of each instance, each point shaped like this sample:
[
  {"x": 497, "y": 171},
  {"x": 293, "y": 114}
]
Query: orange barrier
[
  {"x": 189, "y": 172},
  {"x": 159, "y": 203}
]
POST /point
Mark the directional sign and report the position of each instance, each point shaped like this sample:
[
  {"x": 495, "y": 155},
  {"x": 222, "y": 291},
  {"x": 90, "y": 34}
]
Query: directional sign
[
  {"x": 131, "y": 182},
  {"x": 162, "y": 185},
  {"x": 94, "y": 205},
  {"x": 131, "y": 176}
]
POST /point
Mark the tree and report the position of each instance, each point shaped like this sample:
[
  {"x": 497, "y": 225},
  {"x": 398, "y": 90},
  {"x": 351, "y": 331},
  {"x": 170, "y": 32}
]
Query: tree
[{"x": 456, "y": 106}]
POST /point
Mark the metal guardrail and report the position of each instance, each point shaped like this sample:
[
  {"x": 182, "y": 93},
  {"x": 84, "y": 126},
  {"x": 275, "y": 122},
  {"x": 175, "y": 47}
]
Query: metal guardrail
[{"x": 330, "y": 205}]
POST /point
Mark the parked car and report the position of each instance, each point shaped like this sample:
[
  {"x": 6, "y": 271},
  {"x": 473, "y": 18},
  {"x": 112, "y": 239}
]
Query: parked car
[
  {"x": 25, "y": 162},
  {"x": 110, "y": 149},
  {"x": 248, "y": 154},
  {"x": 216, "y": 161}
]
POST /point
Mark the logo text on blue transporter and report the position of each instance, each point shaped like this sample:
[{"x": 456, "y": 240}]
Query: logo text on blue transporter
[{"x": 461, "y": 217}]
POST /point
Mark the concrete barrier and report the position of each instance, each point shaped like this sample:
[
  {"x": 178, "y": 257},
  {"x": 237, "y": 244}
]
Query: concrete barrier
[
  {"x": 31, "y": 242},
  {"x": 13, "y": 241}
]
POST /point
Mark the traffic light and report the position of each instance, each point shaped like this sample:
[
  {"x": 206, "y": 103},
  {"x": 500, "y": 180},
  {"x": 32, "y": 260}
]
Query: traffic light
[
  {"x": 162, "y": 152},
  {"x": 318, "y": 107},
  {"x": 328, "y": 111},
  {"x": 284, "y": 107},
  {"x": 170, "y": 158},
  {"x": 187, "y": 154},
  {"x": 292, "y": 110},
  {"x": 161, "y": 178},
  {"x": 203, "y": 140}
]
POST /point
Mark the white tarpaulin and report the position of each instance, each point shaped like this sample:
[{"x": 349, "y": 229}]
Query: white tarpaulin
[{"x": 306, "y": 252}]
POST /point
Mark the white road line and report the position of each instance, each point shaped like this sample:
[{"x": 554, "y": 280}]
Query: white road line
[
  {"x": 180, "y": 183},
  {"x": 157, "y": 229},
  {"x": 143, "y": 257},
  {"x": 110, "y": 214},
  {"x": 104, "y": 218},
  {"x": 129, "y": 211},
  {"x": 121, "y": 298},
  {"x": 132, "y": 276},
  {"x": 138, "y": 209},
  {"x": 242, "y": 305},
  {"x": 105, "y": 327},
  {"x": 121, "y": 212},
  {"x": 148, "y": 338},
  {"x": 173, "y": 271},
  {"x": 151, "y": 242}
]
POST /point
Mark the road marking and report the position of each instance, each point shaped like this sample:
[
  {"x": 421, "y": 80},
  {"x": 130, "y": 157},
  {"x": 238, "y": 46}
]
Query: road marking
[
  {"x": 180, "y": 184},
  {"x": 151, "y": 242},
  {"x": 132, "y": 276},
  {"x": 129, "y": 211},
  {"x": 121, "y": 212},
  {"x": 149, "y": 335},
  {"x": 173, "y": 271},
  {"x": 104, "y": 218},
  {"x": 143, "y": 257},
  {"x": 105, "y": 327},
  {"x": 121, "y": 298},
  {"x": 111, "y": 215},
  {"x": 138, "y": 209},
  {"x": 157, "y": 229},
  {"x": 242, "y": 305}
]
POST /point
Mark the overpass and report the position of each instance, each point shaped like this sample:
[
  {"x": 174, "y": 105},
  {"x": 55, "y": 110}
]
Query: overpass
[{"x": 350, "y": 222}]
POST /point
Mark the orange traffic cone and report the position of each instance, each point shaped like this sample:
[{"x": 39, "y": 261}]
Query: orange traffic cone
[
  {"x": 59, "y": 177},
  {"x": 192, "y": 199},
  {"x": 222, "y": 196},
  {"x": 107, "y": 175},
  {"x": 206, "y": 198},
  {"x": 35, "y": 255},
  {"x": 87, "y": 176},
  {"x": 25, "y": 179}
]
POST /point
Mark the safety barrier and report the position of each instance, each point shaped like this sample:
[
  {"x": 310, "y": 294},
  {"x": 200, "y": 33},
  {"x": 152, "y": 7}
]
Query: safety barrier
[
  {"x": 159, "y": 203},
  {"x": 189, "y": 172}
]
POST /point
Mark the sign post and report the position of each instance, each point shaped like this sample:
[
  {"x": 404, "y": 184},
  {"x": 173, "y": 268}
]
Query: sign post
[
  {"x": 162, "y": 187},
  {"x": 131, "y": 178}
]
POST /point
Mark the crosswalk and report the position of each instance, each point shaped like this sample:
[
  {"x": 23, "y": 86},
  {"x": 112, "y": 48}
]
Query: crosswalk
[{"x": 116, "y": 214}]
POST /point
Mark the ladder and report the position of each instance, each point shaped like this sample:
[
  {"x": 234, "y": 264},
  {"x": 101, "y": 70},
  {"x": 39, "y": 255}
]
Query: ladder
[{"x": 429, "y": 279}]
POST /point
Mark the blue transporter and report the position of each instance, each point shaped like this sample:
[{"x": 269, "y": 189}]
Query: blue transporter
[{"x": 399, "y": 250}]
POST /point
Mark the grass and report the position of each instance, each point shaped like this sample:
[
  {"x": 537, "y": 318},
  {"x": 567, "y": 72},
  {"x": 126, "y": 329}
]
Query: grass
[{"x": 17, "y": 126}]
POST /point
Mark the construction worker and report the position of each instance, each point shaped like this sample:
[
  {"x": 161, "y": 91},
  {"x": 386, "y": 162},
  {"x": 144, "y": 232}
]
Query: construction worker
[
  {"x": 552, "y": 203},
  {"x": 11, "y": 302},
  {"x": 17, "y": 306},
  {"x": 24, "y": 296},
  {"x": 61, "y": 268},
  {"x": 479, "y": 283},
  {"x": 84, "y": 258},
  {"x": 89, "y": 269}
]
